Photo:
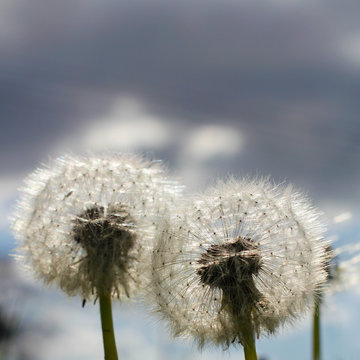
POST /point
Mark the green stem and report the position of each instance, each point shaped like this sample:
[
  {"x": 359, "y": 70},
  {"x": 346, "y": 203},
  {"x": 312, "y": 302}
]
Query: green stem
[
  {"x": 316, "y": 331},
  {"x": 107, "y": 328},
  {"x": 249, "y": 347}
]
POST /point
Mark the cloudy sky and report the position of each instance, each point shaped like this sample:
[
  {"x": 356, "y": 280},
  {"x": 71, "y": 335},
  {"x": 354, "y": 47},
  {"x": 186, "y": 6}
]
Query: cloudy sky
[{"x": 213, "y": 88}]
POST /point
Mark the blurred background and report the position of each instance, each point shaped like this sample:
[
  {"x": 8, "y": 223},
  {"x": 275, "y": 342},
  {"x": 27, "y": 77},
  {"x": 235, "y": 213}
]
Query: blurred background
[{"x": 213, "y": 88}]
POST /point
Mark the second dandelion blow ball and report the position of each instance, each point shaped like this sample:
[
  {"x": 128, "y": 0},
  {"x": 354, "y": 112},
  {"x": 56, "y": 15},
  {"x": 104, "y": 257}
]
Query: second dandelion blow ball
[{"x": 244, "y": 257}]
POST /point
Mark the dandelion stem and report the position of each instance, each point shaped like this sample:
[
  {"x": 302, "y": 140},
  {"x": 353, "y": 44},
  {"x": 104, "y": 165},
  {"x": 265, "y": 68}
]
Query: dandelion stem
[
  {"x": 249, "y": 347},
  {"x": 316, "y": 331},
  {"x": 107, "y": 328}
]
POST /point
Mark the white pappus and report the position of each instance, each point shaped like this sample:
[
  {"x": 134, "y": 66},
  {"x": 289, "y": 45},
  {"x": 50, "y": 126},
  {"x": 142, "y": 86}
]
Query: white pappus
[
  {"x": 244, "y": 256},
  {"x": 87, "y": 223}
]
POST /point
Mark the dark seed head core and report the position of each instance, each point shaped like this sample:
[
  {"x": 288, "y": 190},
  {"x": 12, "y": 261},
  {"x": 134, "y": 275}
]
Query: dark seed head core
[
  {"x": 227, "y": 265},
  {"x": 107, "y": 240},
  {"x": 105, "y": 235},
  {"x": 230, "y": 267}
]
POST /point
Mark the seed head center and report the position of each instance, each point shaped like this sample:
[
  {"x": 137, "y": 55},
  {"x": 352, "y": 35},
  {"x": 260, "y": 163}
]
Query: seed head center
[
  {"x": 229, "y": 265},
  {"x": 103, "y": 235}
]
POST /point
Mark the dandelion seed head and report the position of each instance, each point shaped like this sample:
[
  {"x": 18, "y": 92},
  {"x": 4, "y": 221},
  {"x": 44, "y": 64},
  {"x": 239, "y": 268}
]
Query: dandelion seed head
[
  {"x": 87, "y": 224},
  {"x": 243, "y": 252}
]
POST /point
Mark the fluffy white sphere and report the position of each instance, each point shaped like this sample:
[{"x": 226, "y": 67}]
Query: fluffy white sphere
[
  {"x": 88, "y": 223},
  {"x": 243, "y": 257}
]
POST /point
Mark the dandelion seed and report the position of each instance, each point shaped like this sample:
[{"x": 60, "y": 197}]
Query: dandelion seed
[
  {"x": 87, "y": 223},
  {"x": 246, "y": 256}
]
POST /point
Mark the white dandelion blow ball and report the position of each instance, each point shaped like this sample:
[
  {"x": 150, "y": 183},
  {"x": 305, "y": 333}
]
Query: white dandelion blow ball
[
  {"x": 245, "y": 257},
  {"x": 87, "y": 224}
]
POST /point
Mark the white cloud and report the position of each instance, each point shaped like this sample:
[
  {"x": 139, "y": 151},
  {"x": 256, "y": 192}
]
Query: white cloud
[
  {"x": 334, "y": 313},
  {"x": 345, "y": 216},
  {"x": 348, "y": 249},
  {"x": 126, "y": 127},
  {"x": 77, "y": 339},
  {"x": 350, "y": 49},
  {"x": 210, "y": 141},
  {"x": 199, "y": 147},
  {"x": 8, "y": 191}
]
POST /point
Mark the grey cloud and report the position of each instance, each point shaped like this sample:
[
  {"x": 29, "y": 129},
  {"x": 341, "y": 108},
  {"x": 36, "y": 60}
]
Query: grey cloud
[
  {"x": 183, "y": 56},
  {"x": 273, "y": 71}
]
